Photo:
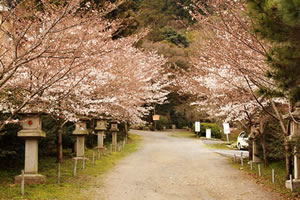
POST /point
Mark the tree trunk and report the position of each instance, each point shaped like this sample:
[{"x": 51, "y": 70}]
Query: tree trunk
[
  {"x": 250, "y": 148},
  {"x": 263, "y": 145},
  {"x": 126, "y": 130},
  {"x": 288, "y": 166}
]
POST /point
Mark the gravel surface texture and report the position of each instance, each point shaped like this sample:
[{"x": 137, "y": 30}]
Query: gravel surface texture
[{"x": 169, "y": 168}]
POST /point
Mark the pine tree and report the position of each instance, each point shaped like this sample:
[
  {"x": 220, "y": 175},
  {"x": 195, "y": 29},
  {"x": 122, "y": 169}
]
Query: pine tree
[{"x": 278, "y": 21}]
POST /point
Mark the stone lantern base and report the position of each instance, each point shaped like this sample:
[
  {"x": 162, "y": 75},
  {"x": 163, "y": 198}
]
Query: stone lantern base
[
  {"x": 31, "y": 179},
  {"x": 296, "y": 184}
]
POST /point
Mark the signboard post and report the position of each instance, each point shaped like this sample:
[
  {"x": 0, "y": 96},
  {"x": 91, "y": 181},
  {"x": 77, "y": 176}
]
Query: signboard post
[
  {"x": 155, "y": 118},
  {"x": 226, "y": 130},
  {"x": 208, "y": 133},
  {"x": 197, "y": 128}
]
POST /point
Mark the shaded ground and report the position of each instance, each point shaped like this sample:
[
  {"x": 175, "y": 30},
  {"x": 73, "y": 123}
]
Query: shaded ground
[{"x": 168, "y": 168}]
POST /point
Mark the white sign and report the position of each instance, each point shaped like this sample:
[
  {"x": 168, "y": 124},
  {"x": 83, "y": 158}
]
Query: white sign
[
  {"x": 208, "y": 133},
  {"x": 197, "y": 126},
  {"x": 226, "y": 128}
]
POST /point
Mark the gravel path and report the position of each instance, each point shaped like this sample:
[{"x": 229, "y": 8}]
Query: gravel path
[{"x": 168, "y": 168}]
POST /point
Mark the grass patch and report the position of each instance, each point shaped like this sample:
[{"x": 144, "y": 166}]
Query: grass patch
[
  {"x": 70, "y": 186},
  {"x": 183, "y": 134},
  {"x": 266, "y": 177}
]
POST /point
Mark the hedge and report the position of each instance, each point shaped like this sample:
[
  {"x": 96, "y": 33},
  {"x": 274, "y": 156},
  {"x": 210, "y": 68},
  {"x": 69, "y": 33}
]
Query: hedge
[{"x": 216, "y": 131}]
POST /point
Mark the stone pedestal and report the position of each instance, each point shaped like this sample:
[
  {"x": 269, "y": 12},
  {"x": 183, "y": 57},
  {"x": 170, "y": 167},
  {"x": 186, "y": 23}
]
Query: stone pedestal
[
  {"x": 296, "y": 180},
  {"x": 100, "y": 128},
  {"x": 114, "y": 132},
  {"x": 255, "y": 157},
  {"x": 114, "y": 139},
  {"x": 100, "y": 139},
  {"x": 31, "y": 132}
]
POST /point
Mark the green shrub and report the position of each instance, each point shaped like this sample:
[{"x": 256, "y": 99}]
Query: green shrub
[
  {"x": 216, "y": 131},
  {"x": 162, "y": 122}
]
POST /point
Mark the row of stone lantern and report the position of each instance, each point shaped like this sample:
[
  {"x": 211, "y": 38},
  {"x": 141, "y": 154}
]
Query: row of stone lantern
[{"x": 32, "y": 132}]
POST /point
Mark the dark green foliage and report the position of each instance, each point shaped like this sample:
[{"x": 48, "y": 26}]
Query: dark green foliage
[
  {"x": 169, "y": 34},
  {"x": 216, "y": 131},
  {"x": 274, "y": 142},
  {"x": 11, "y": 146},
  {"x": 279, "y": 23},
  {"x": 160, "y": 13},
  {"x": 162, "y": 122},
  {"x": 48, "y": 145},
  {"x": 169, "y": 110}
]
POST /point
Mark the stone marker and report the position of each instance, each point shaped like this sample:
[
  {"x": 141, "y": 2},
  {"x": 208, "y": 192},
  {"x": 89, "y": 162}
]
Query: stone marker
[
  {"x": 80, "y": 132},
  {"x": 100, "y": 128},
  {"x": 31, "y": 132},
  {"x": 114, "y": 129}
]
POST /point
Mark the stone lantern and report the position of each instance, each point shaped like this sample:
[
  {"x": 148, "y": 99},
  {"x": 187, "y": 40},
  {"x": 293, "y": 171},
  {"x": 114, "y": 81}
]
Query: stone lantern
[
  {"x": 114, "y": 129},
  {"x": 80, "y": 132},
  {"x": 100, "y": 128},
  {"x": 31, "y": 132},
  {"x": 295, "y": 134}
]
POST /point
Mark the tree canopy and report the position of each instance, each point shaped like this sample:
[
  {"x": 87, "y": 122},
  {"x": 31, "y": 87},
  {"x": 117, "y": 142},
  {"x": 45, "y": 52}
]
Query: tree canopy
[{"x": 279, "y": 23}]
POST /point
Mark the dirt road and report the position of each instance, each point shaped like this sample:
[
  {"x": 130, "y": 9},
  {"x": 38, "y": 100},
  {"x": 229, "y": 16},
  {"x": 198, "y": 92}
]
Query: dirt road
[{"x": 168, "y": 168}]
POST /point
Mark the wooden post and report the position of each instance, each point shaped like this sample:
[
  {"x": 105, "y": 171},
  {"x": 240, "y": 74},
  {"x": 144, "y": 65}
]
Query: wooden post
[
  {"x": 75, "y": 167},
  {"x": 273, "y": 176},
  {"x": 251, "y": 165},
  {"x": 22, "y": 182},
  {"x": 58, "y": 174},
  {"x": 242, "y": 159},
  {"x": 291, "y": 179},
  {"x": 98, "y": 154},
  {"x": 259, "y": 172},
  {"x": 83, "y": 163},
  {"x": 94, "y": 156}
]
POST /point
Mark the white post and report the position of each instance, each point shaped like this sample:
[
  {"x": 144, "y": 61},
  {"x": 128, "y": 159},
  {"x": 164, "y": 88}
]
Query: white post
[
  {"x": 83, "y": 163},
  {"x": 259, "y": 172},
  {"x": 94, "y": 157},
  {"x": 242, "y": 160},
  {"x": 58, "y": 174},
  {"x": 75, "y": 167},
  {"x": 291, "y": 179},
  {"x": 22, "y": 182},
  {"x": 273, "y": 176}
]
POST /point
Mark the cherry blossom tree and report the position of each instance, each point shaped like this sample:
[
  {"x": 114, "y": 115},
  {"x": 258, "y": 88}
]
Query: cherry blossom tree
[
  {"x": 41, "y": 48},
  {"x": 230, "y": 46}
]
